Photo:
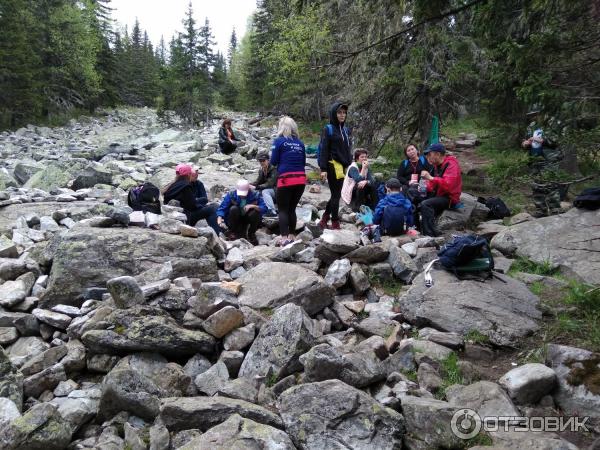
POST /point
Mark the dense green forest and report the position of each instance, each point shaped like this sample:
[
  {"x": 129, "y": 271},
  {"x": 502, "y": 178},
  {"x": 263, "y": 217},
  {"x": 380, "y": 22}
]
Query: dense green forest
[{"x": 399, "y": 63}]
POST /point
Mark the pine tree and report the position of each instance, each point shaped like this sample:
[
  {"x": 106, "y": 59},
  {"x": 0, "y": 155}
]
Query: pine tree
[
  {"x": 233, "y": 43},
  {"x": 20, "y": 66}
]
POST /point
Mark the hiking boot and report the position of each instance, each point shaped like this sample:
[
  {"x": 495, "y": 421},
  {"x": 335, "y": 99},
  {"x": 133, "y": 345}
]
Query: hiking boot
[
  {"x": 323, "y": 222},
  {"x": 252, "y": 239},
  {"x": 335, "y": 225}
]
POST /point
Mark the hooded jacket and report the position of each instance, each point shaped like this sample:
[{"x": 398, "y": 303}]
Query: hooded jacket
[
  {"x": 183, "y": 192},
  {"x": 449, "y": 183},
  {"x": 393, "y": 199},
  {"x": 223, "y": 135},
  {"x": 336, "y": 147}
]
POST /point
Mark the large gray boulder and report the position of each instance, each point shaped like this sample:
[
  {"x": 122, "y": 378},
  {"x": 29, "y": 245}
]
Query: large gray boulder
[
  {"x": 577, "y": 370},
  {"x": 331, "y": 414},
  {"x": 529, "y": 383},
  {"x": 92, "y": 175},
  {"x": 273, "y": 284},
  {"x": 55, "y": 174},
  {"x": 145, "y": 329},
  {"x": 280, "y": 342},
  {"x": 569, "y": 241},
  {"x": 485, "y": 397},
  {"x": 42, "y": 427},
  {"x": 89, "y": 256},
  {"x": 501, "y": 308},
  {"x": 324, "y": 362},
  {"x": 138, "y": 382},
  {"x": 25, "y": 170},
  {"x": 458, "y": 219},
  {"x": 184, "y": 413},
  {"x": 428, "y": 422},
  {"x": 238, "y": 432}
]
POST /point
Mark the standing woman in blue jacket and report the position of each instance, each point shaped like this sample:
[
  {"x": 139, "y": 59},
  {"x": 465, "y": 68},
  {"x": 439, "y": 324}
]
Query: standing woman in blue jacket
[
  {"x": 334, "y": 159},
  {"x": 289, "y": 156}
]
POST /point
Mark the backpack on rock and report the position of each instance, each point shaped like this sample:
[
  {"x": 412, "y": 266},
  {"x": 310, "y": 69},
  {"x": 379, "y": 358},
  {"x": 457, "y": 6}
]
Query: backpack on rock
[
  {"x": 145, "y": 197},
  {"x": 468, "y": 257}
]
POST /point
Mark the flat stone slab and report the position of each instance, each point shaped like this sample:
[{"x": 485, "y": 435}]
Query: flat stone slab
[
  {"x": 569, "y": 241},
  {"x": 503, "y": 309}
]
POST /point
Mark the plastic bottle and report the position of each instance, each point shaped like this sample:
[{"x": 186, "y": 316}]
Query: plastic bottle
[{"x": 422, "y": 187}]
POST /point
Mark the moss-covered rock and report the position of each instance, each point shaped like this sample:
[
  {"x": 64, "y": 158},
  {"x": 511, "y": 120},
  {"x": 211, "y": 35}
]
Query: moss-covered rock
[{"x": 42, "y": 427}]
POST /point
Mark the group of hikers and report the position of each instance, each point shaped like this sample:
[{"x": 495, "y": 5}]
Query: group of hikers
[{"x": 424, "y": 186}]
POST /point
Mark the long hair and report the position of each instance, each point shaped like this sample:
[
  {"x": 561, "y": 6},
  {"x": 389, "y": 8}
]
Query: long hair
[
  {"x": 177, "y": 178},
  {"x": 287, "y": 127},
  {"x": 226, "y": 122}
]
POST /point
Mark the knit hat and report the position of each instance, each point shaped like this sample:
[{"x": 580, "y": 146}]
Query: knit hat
[{"x": 183, "y": 169}]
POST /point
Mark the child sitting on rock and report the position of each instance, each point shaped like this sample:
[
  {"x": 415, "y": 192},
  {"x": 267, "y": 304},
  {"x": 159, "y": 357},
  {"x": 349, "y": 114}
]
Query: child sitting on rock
[{"x": 393, "y": 214}]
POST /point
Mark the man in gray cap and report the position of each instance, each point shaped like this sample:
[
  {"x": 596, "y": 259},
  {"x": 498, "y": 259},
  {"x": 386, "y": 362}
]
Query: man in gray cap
[{"x": 266, "y": 183}]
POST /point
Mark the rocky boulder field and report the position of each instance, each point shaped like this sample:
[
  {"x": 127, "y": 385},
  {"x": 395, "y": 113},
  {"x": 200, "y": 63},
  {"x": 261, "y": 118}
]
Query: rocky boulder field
[{"x": 115, "y": 336}]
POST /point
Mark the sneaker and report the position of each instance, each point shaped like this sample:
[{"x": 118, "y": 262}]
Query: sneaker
[
  {"x": 270, "y": 214},
  {"x": 335, "y": 225}
]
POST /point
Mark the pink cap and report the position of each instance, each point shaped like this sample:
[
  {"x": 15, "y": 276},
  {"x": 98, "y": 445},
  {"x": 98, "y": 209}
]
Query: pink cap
[
  {"x": 183, "y": 169},
  {"x": 242, "y": 187}
]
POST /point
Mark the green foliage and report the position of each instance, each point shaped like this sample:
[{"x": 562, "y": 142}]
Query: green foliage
[
  {"x": 390, "y": 287},
  {"x": 271, "y": 380},
  {"x": 477, "y": 337},
  {"x": 526, "y": 265},
  {"x": 411, "y": 375}
]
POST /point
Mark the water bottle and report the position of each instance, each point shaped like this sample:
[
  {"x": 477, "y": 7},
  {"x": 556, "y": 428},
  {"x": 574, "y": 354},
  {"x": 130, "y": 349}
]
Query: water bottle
[{"x": 422, "y": 187}]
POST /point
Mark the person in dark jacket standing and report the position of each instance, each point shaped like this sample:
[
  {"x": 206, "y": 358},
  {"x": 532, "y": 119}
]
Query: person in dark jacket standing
[
  {"x": 265, "y": 183},
  {"x": 182, "y": 190},
  {"x": 289, "y": 156},
  {"x": 334, "y": 158},
  {"x": 227, "y": 140}
]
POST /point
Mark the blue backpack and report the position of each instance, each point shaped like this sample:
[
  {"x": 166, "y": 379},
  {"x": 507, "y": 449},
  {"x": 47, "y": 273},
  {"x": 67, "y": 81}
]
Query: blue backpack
[
  {"x": 468, "y": 254},
  {"x": 396, "y": 218},
  {"x": 421, "y": 160}
]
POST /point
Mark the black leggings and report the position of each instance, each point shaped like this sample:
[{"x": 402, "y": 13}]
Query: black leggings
[
  {"x": 429, "y": 209},
  {"x": 227, "y": 147},
  {"x": 287, "y": 200},
  {"x": 335, "y": 186},
  {"x": 208, "y": 212},
  {"x": 238, "y": 222}
]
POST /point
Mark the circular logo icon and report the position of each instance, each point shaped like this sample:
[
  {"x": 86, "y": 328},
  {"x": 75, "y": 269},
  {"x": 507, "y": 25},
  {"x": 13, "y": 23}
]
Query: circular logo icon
[{"x": 465, "y": 423}]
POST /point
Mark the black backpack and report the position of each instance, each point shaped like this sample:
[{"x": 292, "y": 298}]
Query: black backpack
[
  {"x": 145, "y": 197},
  {"x": 588, "y": 199},
  {"x": 468, "y": 256},
  {"x": 498, "y": 209}
]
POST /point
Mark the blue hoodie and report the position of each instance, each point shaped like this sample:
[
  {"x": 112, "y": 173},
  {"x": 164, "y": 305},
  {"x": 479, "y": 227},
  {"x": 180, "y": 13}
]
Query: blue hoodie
[
  {"x": 232, "y": 199},
  {"x": 288, "y": 154},
  {"x": 394, "y": 199}
]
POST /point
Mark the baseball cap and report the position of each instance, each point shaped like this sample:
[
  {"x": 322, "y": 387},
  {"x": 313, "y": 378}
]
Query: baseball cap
[
  {"x": 393, "y": 183},
  {"x": 262, "y": 156},
  {"x": 183, "y": 169},
  {"x": 437, "y": 147},
  {"x": 242, "y": 187}
]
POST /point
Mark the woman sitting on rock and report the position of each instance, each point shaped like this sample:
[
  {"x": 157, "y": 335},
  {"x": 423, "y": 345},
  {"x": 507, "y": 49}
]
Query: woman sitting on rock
[
  {"x": 227, "y": 140},
  {"x": 182, "y": 190},
  {"x": 359, "y": 185}
]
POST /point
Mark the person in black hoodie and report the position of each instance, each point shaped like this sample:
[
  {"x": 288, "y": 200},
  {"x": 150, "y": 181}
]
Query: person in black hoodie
[
  {"x": 183, "y": 190},
  {"x": 334, "y": 158}
]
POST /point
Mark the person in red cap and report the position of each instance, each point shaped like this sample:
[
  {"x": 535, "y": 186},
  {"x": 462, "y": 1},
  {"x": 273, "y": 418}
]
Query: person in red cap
[
  {"x": 241, "y": 210},
  {"x": 444, "y": 187},
  {"x": 181, "y": 189}
]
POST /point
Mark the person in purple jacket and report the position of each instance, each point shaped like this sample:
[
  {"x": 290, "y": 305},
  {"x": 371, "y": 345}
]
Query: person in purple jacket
[{"x": 289, "y": 156}]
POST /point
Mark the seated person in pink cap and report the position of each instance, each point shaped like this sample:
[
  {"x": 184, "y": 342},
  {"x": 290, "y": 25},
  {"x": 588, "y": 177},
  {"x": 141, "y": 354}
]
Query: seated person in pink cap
[
  {"x": 241, "y": 210},
  {"x": 182, "y": 190}
]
